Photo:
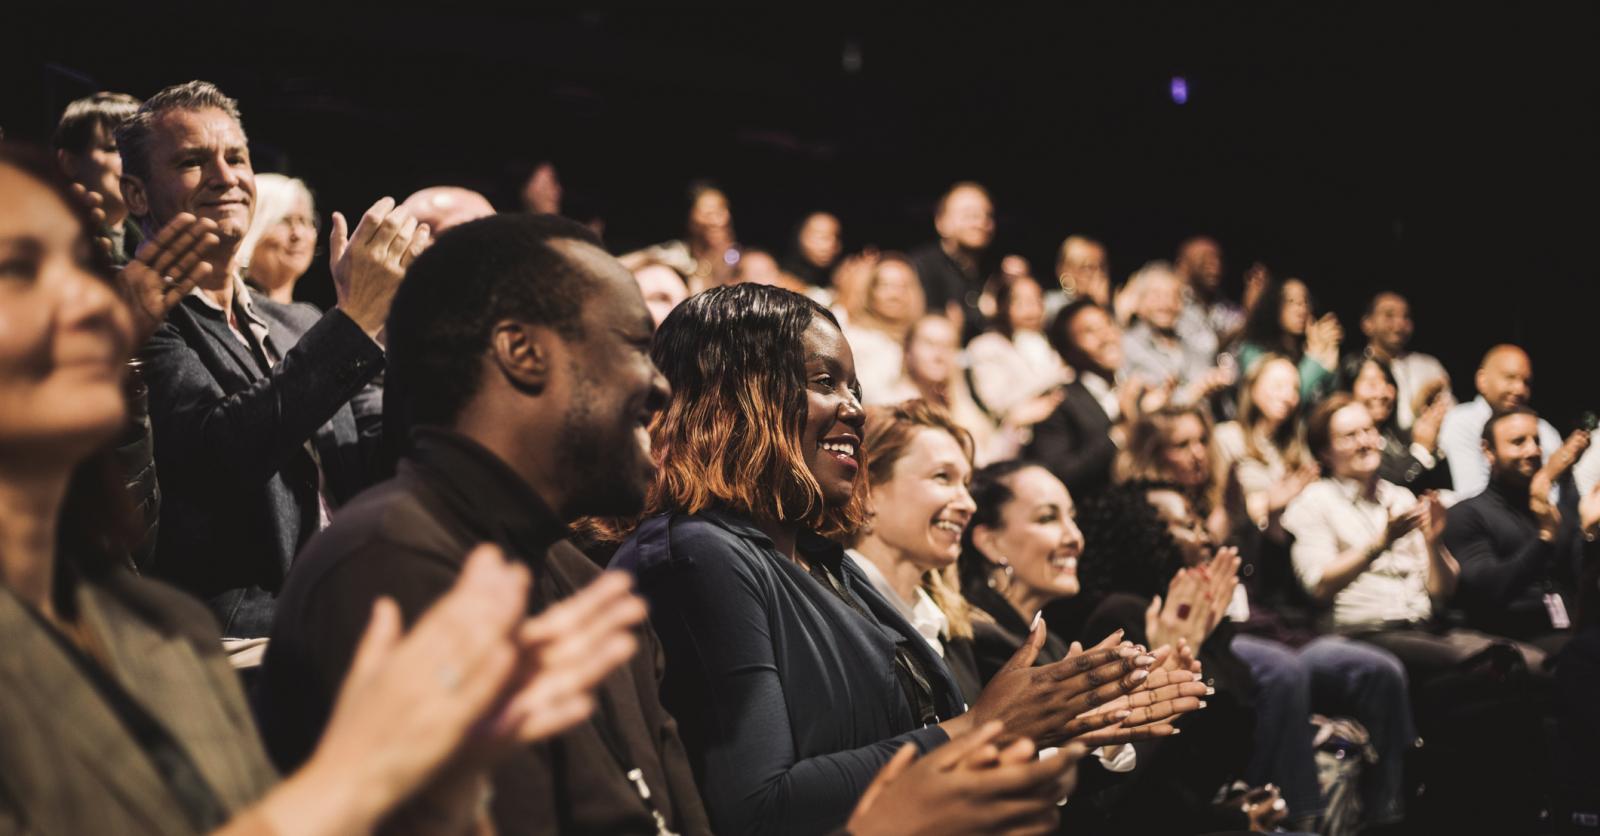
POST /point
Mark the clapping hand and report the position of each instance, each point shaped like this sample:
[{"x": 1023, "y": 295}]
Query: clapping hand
[
  {"x": 165, "y": 269},
  {"x": 969, "y": 785},
  {"x": 369, "y": 263}
]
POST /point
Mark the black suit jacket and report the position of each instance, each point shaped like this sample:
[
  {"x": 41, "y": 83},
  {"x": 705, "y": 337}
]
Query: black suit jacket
[
  {"x": 238, "y": 481},
  {"x": 1075, "y": 443}
]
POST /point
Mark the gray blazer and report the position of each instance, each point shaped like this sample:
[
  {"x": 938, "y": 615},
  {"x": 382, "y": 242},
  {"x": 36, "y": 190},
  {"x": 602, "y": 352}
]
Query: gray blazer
[
  {"x": 69, "y": 766},
  {"x": 239, "y": 486}
]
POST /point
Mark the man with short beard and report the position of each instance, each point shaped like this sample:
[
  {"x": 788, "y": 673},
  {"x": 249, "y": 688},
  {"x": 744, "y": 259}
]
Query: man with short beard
[
  {"x": 520, "y": 379},
  {"x": 1505, "y": 382},
  {"x": 1519, "y": 551}
]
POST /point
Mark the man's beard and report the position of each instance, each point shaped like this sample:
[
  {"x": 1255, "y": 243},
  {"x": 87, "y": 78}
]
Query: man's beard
[{"x": 604, "y": 466}]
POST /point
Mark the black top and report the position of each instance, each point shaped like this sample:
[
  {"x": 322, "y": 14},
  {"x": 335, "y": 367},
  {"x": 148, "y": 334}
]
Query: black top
[
  {"x": 789, "y": 697},
  {"x": 406, "y": 538},
  {"x": 1074, "y": 443},
  {"x": 1505, "y": 568},
  {"x": 944, "y": 280},
  {"x": 997, "y": 640}
]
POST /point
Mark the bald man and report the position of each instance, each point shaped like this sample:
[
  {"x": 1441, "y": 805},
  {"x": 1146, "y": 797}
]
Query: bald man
[
  {"x": 1504, "y": 381},
  {"x": 441, "y": 207}
]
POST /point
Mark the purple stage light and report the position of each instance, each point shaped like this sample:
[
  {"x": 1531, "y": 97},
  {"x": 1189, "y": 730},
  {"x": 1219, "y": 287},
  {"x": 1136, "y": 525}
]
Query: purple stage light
[{"x": 1180, "y": 90}]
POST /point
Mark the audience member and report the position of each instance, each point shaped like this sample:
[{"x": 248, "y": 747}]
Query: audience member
[
  {"x": 277, "y": 250},
  {"x": 663, "y": 288},
  {"x": 766, "y": 624},
  {"x": 1282, "y": 323},
  {"x": 1082, "y": 272},
  {"x": 1520, "y": 553},
  {"x": 709, "y": 251},
  {"x": 1504, "y": 382},
  {"x": 85, "y": 143},
  {"x": 1160, "y": 348},
  {"x": 541, "y": 195},
  {"x": 257, "y": 435},
  {"x": 1014, "y": 363},
  {"x": 513, "y": 331},
  {"x": 952, "y": 268},
  {"x": 1205, "y": 309},
  {"x": 1264, "y": 448},
  {"x": 121, "y": 714},
  {"x": 1411, "y": 457},
  {"x": 917, "y": 507},
  {"x": 815, "y": 250},
  {"x": 1420, "y": 379},
  {"x": 890, "y": 306},
  {"x": 443, "y": 207}
]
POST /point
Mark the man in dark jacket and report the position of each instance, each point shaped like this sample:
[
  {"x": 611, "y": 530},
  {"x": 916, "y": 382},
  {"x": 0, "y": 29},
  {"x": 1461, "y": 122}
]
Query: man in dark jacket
[
  {"x": 1518, "y": 547},
  {"x": 519, "y": 358},
  {"x": 255, "y": 437}
]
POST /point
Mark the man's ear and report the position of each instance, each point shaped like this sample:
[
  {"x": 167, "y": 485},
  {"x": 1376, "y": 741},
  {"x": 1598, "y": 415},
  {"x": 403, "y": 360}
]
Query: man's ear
[
  {"x": 524, "y": 354},
  {"x": 134, "y": 197}
]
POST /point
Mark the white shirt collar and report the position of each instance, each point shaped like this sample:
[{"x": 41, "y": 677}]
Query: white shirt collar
[
  {"x": 924, "y": 616},
  {"x": 241, "y": 291}
]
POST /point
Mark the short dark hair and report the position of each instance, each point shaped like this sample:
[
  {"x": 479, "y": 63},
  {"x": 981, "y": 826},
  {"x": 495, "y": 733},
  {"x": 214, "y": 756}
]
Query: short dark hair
[
  {"x": 1500, "y": 415},
  {"x": 1059, "y": 333},
  {"x": 1372, "y": 304},
  {"x": 475, "y": 275},
  {"x": 105, "y": 110},
  {"x": 1319, "y": 427},
  {"x": 133, "y": 135}
]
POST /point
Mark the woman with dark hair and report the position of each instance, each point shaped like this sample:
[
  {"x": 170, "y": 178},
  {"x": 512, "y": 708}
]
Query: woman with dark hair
[
  {"x": 709, "y": 249},
  {"x": 1151, "y": 569},
  {"x": 118, "y": 710},
  {"x": 791, "y": 678},
  {"x": 1295, "y": 669},
  {"x": 1281, "y": 323},
  {"x": 815, "y": 249},
  {"x": 1411, "y": 458},
  {"x": 1013, "y": 363}
]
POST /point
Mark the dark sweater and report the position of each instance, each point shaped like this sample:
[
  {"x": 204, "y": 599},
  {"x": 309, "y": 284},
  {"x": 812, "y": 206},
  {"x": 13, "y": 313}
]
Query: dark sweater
[{"x": 1505, "y": 568}]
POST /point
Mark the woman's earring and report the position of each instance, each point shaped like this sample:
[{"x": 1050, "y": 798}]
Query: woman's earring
[{"x": 1005, "y": 570}]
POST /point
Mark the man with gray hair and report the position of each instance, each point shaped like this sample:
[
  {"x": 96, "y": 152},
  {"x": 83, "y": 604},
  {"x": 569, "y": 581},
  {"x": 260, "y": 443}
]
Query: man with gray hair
[{"x": 256, "y": 435}]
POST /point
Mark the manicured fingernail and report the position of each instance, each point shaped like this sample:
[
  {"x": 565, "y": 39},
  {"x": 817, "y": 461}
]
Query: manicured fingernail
[
  {"x": 1139, "y": 676},
  {"x": 1175, "y": 731},
  {"x": 1037, "y": 617},
  {"x": 1202, "y": 703},
  {"x": 1128, "y": 652},
  {"x": 1210, "y": 691},
  {"x": 1145, "y": 660},
  {"x": 1280, "y": 805}
]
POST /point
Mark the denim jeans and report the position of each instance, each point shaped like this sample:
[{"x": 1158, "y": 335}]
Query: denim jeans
[{"x": 1333, "y": 676}]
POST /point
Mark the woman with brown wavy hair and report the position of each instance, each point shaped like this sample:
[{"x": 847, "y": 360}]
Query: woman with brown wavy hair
[{"x": 792, "y": 679}]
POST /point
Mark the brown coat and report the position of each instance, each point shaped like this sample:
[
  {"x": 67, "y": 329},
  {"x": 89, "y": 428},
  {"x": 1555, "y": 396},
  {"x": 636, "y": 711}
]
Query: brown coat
[
  {"x": 406, "y": 539},
  {"x": 69, "y": 766}
]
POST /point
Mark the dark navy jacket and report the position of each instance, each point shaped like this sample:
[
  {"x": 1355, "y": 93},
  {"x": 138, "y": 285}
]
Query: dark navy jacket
[{"x": 787, "y": 697}]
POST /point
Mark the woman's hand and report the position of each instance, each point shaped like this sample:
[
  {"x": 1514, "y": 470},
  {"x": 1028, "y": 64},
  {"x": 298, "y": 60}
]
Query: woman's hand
[
  {"x": 1153, "y": 707},
  {"x": 1425, "y": 430},
  {"x": 1290, "y": 486},
  {"x": 1322, "y": 341},
  {"x": 969, "y": 785},
  {"x": 1053, "y": 703}
]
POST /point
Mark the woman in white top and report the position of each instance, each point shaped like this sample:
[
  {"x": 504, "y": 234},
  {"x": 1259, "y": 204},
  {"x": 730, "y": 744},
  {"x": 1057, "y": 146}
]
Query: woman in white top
[
  {"x": 1014, "y": 362},
  {"x": 1265, "y": 448},
  {"x": 877, "y": 330}
]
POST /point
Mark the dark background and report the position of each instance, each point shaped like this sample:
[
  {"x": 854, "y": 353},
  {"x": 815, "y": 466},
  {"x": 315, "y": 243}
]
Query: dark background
[{"x": 1447, "y": 153}]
